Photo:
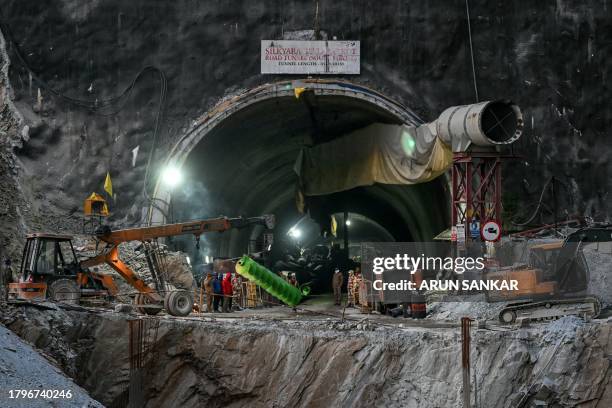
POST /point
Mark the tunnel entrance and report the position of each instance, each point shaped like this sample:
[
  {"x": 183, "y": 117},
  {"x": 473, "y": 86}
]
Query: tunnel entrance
[{"x": 239, "y": 159}]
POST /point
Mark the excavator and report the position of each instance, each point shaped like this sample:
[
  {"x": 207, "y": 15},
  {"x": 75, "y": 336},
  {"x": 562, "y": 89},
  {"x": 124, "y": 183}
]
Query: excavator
[
  {"x": 50, "y": 270},
  {"x": 554, "y": 281}
]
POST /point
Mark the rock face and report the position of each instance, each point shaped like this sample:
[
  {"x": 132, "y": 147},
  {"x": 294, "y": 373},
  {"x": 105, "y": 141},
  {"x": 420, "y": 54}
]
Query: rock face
[
  {"x": 599, "y": 259},
  {"x": 552, "y": 58},
  {"x": 320, "y": 364},
  {"x": 23, "y": 368},
  {"x": 12, "y": 204}
]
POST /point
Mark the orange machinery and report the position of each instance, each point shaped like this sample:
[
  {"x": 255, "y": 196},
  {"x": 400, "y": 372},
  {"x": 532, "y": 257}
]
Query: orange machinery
[
  {"x": 49, "y": 268},
  {"x": 555, "y": 280},
  {"x": 535, "y": 279}
]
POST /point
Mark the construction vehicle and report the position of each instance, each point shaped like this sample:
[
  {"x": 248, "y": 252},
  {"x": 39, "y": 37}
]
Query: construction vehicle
[
  {"x": 49, "y": 268},
  {"x": 554, "y": 282}
]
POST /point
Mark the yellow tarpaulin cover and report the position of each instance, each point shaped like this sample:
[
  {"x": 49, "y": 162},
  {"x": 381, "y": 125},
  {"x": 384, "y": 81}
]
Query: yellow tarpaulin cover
[{"x": 379, "y": 153}]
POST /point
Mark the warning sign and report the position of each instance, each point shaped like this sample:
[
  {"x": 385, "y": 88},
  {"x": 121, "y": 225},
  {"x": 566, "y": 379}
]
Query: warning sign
[
  {"x": 310, "y": 57},
  {"x": 491, "y": 231}
]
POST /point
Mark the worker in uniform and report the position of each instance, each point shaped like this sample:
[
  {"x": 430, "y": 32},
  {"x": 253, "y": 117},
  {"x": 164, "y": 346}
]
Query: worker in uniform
[
  {"x": 208, "y": 289},
  {"x": 356, "y": 284},
  {"x": 337, "y": 281},
  {"x": 228, "y": 292},
  {"x": 217, "y": 292},
  {"x": 237, "y": 288},
  {"x": 349, "y": 289}
]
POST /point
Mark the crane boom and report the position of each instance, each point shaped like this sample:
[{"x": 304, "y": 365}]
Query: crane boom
[
  {"x": 110, "y": 255},
  {"x": 196, "y": 228}
]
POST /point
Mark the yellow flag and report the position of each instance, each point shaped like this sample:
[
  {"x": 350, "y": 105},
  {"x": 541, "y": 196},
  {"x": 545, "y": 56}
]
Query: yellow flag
[
  {"x": 108, "y": 184},
  {"x": 334, "y": 226},
  {"x": 298, "y": 92}
]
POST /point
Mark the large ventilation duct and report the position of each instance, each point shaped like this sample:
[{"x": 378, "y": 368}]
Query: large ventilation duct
[
  {"x": 406, "y": 154},
  {"x": 485, "y": 124}
]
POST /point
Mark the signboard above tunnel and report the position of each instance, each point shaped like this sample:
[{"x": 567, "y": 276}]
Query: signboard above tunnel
[{"x": 310, "y": 57}]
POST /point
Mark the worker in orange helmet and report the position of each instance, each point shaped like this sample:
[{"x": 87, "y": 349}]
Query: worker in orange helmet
[{"x": 228, "y": 292}]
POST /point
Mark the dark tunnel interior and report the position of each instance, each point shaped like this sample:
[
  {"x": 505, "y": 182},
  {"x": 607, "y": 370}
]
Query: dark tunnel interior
[
  {"x": 499, "y": 122},
  {"x": 244, "y": 167}
]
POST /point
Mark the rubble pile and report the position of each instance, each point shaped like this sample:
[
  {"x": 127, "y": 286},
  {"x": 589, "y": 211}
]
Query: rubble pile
[
  {"x": 362, "y": 325},
  {"x": 314, "y": 265},
  {"x": 455, "y": 307},
  {"x": 23, "y": 368},
  {"x": 178, "y": 270},
  {"x": 599, "y": 259}
]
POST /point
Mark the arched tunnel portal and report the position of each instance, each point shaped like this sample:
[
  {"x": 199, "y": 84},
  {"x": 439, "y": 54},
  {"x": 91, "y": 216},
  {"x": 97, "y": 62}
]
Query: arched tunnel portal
[{"x": 238, "y": 159}]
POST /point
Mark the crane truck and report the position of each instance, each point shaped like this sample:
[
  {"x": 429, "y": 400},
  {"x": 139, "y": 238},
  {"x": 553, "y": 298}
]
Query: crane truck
[{"x": 50, "y": 270}]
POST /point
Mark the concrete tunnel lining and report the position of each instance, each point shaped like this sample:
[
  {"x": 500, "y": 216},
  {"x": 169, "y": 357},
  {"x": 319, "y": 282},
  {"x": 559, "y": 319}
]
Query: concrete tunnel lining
[{"x": 210, "y": 124}]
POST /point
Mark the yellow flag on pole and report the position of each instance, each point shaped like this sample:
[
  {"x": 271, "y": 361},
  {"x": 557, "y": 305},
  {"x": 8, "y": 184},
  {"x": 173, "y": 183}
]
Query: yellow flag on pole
[
  {"x": 334, "y": 226},
  {"x": 108, "y": 184}
]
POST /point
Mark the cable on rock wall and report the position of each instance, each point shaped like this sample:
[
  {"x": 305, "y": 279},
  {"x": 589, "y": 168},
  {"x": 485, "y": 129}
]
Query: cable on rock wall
[
  {"x": 552, "y": 181},
  {"x": 467, "y": 10},
  {"x": 98, "y": 106}
]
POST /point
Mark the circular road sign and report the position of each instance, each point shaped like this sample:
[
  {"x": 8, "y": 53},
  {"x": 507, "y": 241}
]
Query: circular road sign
[{"x": 491, "y": 231}]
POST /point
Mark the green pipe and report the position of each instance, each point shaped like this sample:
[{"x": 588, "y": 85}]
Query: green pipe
[{"x": 270, "y": 282}]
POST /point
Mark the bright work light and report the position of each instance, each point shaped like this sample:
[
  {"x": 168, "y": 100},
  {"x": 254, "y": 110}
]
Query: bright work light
[{"x": 172, "y": 176}]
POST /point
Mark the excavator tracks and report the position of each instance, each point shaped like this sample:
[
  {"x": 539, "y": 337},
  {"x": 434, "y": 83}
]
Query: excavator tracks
[{"x": 587, "y": 307}]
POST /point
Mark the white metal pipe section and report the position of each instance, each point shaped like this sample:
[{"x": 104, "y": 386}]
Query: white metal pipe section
[{"x": 484, "y": 124}]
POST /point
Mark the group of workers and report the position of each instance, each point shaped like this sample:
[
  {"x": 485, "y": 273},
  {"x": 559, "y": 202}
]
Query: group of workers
[
  {"x": 352, "y": 287},
  {"x": 291, "y": 279},
  {"x": 220, "y": 290}
]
